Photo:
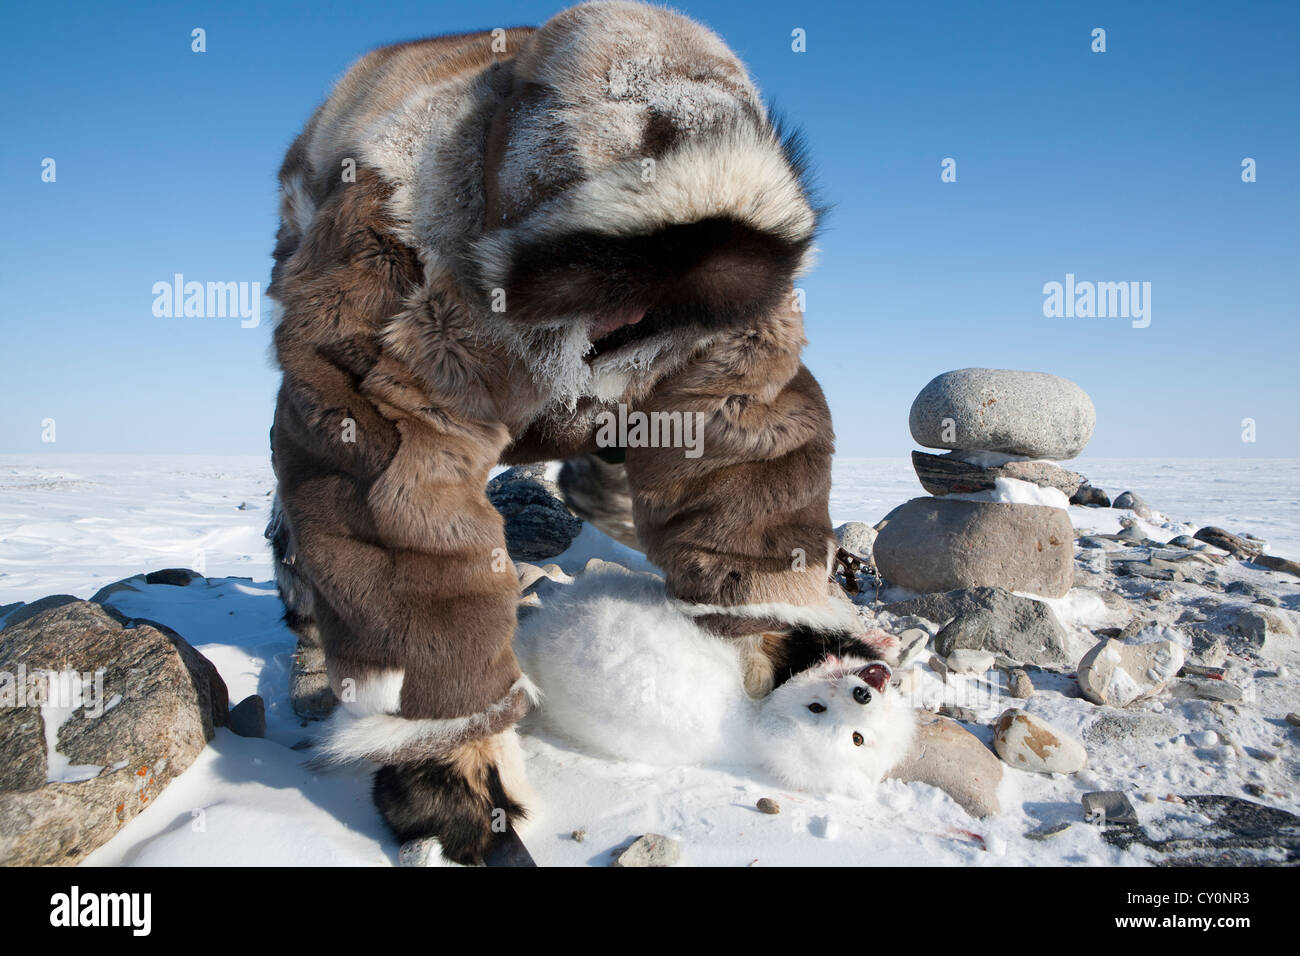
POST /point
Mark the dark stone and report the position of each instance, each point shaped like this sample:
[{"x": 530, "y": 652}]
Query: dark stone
[
  {"x": 1277, "y": 564},
  {"x": 538, "y": 523},
  {"x": 1109, "y": 808},
  {"x": 177, "y": 577},
  {"x": 948, "y": 474},
  {"x": 1240, "y": 832},
  {"x": 1090, "y": 497},
  {"x": 248, "y": 717},
  {"x": 1235, "y": 545}
]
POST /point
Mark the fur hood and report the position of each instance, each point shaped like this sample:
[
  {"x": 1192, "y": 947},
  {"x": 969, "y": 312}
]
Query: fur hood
[{"x": 613, "y": 168}]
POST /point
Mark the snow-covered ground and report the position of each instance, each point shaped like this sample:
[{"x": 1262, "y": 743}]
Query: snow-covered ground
[{"x": 71, "y": 524}]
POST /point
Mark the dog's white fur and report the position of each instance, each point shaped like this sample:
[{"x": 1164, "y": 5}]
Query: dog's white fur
[{"x": 624, "y": 673}]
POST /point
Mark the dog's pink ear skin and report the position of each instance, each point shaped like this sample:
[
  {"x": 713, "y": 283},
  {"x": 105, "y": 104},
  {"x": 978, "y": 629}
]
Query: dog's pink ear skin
[
  {"x": 876, "y": 676},
  {"x": 882, "y": 641}
]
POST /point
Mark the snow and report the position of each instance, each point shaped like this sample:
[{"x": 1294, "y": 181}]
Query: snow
[{"x": 71, "y": 524}]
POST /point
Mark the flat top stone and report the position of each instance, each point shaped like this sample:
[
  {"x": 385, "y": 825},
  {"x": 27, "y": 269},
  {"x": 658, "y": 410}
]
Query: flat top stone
[{"x": 1017, "y": 413}]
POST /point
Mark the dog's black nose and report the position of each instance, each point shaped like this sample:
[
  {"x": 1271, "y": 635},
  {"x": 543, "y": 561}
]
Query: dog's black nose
[{"x": 862, "y": 695}]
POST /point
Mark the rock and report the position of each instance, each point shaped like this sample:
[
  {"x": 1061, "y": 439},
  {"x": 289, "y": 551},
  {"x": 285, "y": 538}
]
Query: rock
[
  {"x": 538, "y": 523},
  {"x": 1274, "y": 563},
  {"x": 25, "y": 612},
  {"x": 1254, "y": 789},
  {"x": 911, "y": 645},
  {"x": 1017, "y": 413},
  {"x": 962, "y": 715},
  {"x": 248, "y": 717},
  {"x": 1133, "y": 503},
  {"x": 160, "y": 702},
  {"x": 947, "y": 756},
  {"x": 856, "y": 538},
  {"x": 177, "y": 577},
  {"x": 768, "y": 805},
  {"x": 948, "y": 474},
  {"x": 1019, "y": 685},
  {"x": 1225, "y": 541},
  {"x": 1048, "y": 830},
  {"x": 652, "y": 849},
  {"x": 1227, "y": 831},
  {"x": 1293, "y": 719},
  {"x": 108, "y": 590},
  {"x": 1252, "y": 627},
  {"x": 965, "y": 660},
  {"x": 1109, "y": 808},
  {"x": 1221, "y": 691},
  {"x": 310, "y": 693},
  {"x": 1090, "y": 497},
  {"x": 1118, "y": 674},
  {"x": 939, "y": 666},
  {"x": 1246, "y": 589},
  {"x": 1029, "y": 743},
  {"x": 1118, "y": 726},
  {"x": 578, "y": 836},
  {"x": 939, "y": 544},
  {"x": 1022, "y": 629}
]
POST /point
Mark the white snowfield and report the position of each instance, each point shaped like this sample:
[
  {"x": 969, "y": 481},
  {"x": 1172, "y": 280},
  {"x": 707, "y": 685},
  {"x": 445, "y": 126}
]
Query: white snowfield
[{"x": 71, "y": 524}]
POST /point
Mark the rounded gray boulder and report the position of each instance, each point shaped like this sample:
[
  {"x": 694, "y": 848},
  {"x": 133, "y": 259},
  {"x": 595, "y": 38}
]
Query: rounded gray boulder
[{"x": 1016, "y": 413}]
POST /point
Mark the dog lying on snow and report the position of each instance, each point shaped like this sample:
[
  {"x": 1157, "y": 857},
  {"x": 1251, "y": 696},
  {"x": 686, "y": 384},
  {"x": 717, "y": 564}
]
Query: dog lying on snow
[
  {"x": 624, "y": 673},
  {"x": 487, "y": 242}
]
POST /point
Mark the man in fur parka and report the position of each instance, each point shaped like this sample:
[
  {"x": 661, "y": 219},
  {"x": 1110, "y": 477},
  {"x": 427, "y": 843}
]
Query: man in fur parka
[{"x": 486, "y": 241}]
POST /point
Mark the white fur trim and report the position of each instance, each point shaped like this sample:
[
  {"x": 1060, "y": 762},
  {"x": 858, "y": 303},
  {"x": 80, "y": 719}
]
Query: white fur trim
[
  {"x": 742, "y": 173},
  {"x": 297, "y": 205},
  {"x": 358, "y": 733},
  {"x": 835, "y": 616}
]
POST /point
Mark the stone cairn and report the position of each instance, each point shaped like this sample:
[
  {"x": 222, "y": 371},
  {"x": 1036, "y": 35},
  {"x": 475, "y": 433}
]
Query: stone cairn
[{"x": 996, "y": 424}]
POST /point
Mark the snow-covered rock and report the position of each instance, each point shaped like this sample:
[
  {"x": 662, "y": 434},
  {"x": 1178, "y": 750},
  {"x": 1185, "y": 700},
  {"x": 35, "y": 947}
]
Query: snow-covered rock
[{"x": 1118, "y": 674}]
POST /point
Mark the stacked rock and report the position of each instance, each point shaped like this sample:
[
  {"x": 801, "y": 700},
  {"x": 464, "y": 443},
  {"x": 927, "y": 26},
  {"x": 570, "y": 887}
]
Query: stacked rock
[{"x": 979, "y": 529}]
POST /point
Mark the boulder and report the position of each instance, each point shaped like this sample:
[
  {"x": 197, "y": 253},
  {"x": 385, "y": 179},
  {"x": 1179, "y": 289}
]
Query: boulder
[
  {"x": 948, "y": 756},
  {"x": 1017, "y": 413},
  {"x": 1117, "y": 674},
  {"x": 856, "y": 538},
  {"x": 938, "y": 544},
  {"x": 1030, "y": 743},
  {"x": 948, "y": 474},
  {"x": 538, "y": 523},
  {"x": 1090, "y": 497},
  {"x": 1235, "y": 545},
  {"x": 138, "y": 704},
  {"x": 992, "y": 619},
  {"x": 1128, "y": 500}
]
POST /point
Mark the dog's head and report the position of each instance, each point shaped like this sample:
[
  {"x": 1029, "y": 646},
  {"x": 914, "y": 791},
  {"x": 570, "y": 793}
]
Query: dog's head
[{"x": 836, "y": 727}]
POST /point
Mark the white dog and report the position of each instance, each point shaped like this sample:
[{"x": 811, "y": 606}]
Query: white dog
[{"x": 625, "y": 674}]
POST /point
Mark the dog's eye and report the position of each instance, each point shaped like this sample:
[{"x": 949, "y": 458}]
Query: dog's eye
[
  {"x": 857, "y": 739},
  {"x": 816, "y": 708}
]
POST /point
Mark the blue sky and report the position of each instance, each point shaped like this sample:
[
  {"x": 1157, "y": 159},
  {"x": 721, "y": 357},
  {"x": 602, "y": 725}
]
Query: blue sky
[{"x": 1115, "y": 166}]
